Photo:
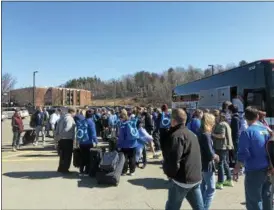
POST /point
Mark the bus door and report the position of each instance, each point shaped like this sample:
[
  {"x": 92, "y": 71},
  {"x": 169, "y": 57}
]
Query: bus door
[
  {"x": 223, "y": 94},
  {"x": 255, "y": 98}
]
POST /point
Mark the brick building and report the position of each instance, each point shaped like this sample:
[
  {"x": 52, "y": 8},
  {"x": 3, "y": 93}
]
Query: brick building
[{"x": 51, "y": 96}]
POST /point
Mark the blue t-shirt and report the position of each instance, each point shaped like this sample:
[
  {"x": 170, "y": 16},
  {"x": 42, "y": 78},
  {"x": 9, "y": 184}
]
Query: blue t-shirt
[{"x": 252, "y": 150}]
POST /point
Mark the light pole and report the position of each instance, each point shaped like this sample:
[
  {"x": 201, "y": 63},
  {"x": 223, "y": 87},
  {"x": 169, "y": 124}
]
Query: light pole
[
  {"x": 212, "y": 68},
  {"x": 35, "y": 72}
]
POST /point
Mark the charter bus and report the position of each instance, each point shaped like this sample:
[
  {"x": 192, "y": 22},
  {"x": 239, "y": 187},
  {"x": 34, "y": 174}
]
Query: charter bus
[{"x": 254, "y": 83}]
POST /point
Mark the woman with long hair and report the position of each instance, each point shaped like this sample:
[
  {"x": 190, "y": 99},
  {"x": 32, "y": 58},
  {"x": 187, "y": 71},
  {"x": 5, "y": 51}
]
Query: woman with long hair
[{"x": 208, "y": 157}]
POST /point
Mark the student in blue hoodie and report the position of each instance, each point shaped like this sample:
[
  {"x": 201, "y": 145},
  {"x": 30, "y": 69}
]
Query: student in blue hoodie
[
  {"x": 163, "y": 125},
  {"x": 195, "y": 124},
  {"x": 88, "y": 140},
  {"x": 253, "y": 156},
  {"x": 127, "y": 142}
]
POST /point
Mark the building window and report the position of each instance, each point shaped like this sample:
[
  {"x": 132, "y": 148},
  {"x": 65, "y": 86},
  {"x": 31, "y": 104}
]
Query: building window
[{"x": 78, "y": 98}]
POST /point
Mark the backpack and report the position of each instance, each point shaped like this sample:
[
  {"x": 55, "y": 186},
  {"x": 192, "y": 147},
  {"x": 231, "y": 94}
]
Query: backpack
[
  {"x": 270, "y": 151},
  {"x": 165, "y": 121},
  {"x": 82, "y": 131},
  {"x": 33, "y": 120},
  {"x": 109, "y": 161}
]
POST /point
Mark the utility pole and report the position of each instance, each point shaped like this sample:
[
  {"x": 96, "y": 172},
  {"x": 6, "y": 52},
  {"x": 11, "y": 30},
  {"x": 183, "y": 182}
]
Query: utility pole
[
  {"x": 35, "y": 72},
  {"x": 212, "y": 69}
]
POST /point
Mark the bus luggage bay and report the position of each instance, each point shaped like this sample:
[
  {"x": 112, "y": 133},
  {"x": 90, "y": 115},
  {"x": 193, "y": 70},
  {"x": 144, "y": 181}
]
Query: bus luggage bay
[{"x": 254, "y": 83}]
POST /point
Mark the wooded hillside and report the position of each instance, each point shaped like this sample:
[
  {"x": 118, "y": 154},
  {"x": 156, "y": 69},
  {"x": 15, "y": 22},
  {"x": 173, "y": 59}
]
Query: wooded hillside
[{"x": 145, "y": 86}]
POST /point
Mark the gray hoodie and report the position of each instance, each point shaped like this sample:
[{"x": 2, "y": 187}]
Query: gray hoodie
[{"x": 66, "y": 128}]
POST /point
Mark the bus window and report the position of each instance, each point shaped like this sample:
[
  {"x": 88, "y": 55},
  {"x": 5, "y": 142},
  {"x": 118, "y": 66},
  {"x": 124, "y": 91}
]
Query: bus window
[{"x": 256, "y": 99}]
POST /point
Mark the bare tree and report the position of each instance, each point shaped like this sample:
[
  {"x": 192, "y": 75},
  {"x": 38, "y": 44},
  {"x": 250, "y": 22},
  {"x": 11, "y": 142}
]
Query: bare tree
[
  {"x": 8, "y": 82},
  {"x": 242, "y": 63}
]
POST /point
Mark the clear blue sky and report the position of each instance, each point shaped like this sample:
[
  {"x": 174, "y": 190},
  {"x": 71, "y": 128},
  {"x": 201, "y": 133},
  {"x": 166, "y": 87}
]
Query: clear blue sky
[{"x": 65, "y": 40}]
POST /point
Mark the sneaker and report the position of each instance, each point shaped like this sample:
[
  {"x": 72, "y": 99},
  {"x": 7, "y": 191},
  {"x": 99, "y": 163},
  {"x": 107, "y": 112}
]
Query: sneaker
[
  {"x": 123, "y": 174},
  {"x": 131, "y": 174},
  {"x": 14, "y": 149},
  {"x": 17, "y": 147},
  {"x": 219, "y": 186},
  {"x": 228, "y": 183},
  {"x": 35, "y": 143}
]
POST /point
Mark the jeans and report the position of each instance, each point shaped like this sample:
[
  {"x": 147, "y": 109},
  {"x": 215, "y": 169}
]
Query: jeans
[
  {"x": 39, "y": 129},
  {"x": 176, "y": 195},
  {"x": 16, "y": 138},
  {"x": 223, "y": 166},
  {"x": 208, "y": 188},
  {"x": 258, "y": 190}
]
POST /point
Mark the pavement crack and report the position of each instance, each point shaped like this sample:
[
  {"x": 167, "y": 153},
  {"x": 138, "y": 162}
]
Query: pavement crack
[{"x": 149, "y": 206}]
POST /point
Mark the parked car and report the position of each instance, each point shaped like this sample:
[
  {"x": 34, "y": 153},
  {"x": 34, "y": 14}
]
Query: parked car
[
  {"x": 4, "y": 116},
  {"x": 9, "y": 111}
]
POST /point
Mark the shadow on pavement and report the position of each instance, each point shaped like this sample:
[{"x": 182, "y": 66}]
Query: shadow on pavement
[
  {"x": 150, "y": 183},
  {"x": 156, "y": 162},
  {"x": 39, "y": 155},
  {"x": 88, "y": 182},
  {"x": 40, "y": 175}
]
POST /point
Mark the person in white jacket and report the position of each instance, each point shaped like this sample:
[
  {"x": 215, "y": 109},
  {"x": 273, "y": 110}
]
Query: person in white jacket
[{"x": 53, "y": 120}]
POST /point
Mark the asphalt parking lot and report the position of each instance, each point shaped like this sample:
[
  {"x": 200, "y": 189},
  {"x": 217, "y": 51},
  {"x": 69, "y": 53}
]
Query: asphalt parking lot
[{"x": 30, "y": 181}]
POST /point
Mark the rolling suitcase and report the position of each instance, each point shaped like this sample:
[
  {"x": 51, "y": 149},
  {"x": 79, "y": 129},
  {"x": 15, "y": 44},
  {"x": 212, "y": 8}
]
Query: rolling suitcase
[
  {"x": 109, "y": 161},
  {"x": 96, "y": 155},
  {"x": 112, "y": 178},
  {"x": 77, "y": 157}
]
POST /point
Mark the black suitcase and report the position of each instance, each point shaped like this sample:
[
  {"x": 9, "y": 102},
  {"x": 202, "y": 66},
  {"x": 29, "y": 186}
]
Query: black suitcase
[
  {"x": 112, "y": 178},
  {"x": 77, "y": 157},
  {"x": 96, "y": 155},
  {"x": 29, "y": 137}
]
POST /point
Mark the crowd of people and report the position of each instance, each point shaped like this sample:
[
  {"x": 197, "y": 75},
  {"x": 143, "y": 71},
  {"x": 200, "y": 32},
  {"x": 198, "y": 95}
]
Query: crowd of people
[{"x": 194, "y": 147}]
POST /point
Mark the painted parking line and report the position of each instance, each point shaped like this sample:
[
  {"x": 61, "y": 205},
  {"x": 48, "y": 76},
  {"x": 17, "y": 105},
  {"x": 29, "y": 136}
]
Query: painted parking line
[
  {"x": 18, "y": 153},
  {"x": 15, "y": 154},
  {"x": 30, "y": 159}
]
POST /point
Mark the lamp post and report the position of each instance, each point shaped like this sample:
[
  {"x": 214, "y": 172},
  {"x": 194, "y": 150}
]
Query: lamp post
[
  {"x": 212, "y": 68},
  {"x": 35, "y": 72}
]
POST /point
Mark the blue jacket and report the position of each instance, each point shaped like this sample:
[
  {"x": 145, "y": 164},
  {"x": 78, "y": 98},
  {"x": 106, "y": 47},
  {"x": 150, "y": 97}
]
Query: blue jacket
[
  {"x": 91, "y": 133},
  {"x": 40, "y": 119},
  {"x": 125, "y": 140},
  {"x": 194, "y": 126},
  {"x": 252, "y": 150}
]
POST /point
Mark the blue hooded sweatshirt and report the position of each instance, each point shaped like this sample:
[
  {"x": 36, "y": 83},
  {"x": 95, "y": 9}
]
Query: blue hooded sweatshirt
[
  {"x": 127, "y": 138},
  {"x": 78, "y": 117},
  {"x": 91, "y": 133},
  {"x": 194, "y": 126},
  {"x": 112, "y": 120},
  {"x": 251, "y": 150}
]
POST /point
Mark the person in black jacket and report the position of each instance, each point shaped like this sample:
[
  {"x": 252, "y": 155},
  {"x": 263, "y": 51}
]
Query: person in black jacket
[
  {"x": 235, "y": 131},
  {"x": 182, "y": 164}
]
